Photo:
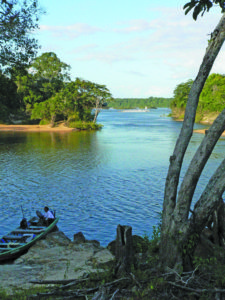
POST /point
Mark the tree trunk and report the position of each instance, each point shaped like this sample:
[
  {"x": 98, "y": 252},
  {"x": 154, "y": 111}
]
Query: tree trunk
[
  {"x": 97, "y": 108},
  {"x": 53, "y": 117},
  {"x": 177, "y": 227}
]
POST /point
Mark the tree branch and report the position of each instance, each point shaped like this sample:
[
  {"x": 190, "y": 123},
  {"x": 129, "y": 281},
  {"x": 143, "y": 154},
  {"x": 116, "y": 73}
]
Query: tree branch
[
  {"x": 209, "y": 199},
  {"x": 183, "y": 140},
  {"x": 197, "y": 164},
  {"x": 199, "y": 291}
]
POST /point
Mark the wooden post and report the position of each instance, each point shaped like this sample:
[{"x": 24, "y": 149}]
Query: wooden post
[{"x": 124, "y": 250}]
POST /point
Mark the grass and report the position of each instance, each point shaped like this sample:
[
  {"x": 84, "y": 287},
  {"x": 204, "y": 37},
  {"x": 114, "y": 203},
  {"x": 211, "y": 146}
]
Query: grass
[{"x": 22, "y": 294}]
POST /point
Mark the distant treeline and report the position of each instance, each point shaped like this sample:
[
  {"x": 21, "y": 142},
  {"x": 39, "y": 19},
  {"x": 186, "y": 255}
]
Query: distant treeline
[{"x": 127, "y": 103}]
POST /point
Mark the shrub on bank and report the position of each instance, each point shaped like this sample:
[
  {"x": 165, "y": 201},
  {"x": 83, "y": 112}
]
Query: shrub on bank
[{"x": 82, "y": 125}]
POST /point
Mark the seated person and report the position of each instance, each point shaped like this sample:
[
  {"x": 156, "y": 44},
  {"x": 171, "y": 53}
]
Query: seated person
[{"x": 49, "y": 218}]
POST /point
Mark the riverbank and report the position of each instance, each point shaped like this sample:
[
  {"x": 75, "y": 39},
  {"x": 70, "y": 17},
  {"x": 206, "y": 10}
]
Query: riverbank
[
  {"x": 202, "y": 131},
  {"x": 54, "y": 258},
  {"x": 207, "y": 119},
  {"x": 37, "y": 128}
]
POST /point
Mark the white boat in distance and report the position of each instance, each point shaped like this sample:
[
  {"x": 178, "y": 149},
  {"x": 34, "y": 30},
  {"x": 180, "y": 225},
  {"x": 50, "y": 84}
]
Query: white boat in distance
[{"x": 136, "y": 110}]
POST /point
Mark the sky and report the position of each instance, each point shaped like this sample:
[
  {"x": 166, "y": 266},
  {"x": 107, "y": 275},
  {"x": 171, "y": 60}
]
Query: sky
[{"x": 138, "y": 49}]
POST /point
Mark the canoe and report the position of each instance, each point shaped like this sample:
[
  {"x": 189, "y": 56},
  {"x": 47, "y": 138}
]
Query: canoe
[{"x": 19, "y": 240}]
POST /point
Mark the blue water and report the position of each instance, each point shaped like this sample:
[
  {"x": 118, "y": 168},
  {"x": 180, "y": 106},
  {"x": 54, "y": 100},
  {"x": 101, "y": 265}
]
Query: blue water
[{"x": 95, "y": 180}]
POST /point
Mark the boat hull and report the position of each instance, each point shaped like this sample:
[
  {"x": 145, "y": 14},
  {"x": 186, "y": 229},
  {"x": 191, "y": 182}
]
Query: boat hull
[{"x": 32, "y": 234}]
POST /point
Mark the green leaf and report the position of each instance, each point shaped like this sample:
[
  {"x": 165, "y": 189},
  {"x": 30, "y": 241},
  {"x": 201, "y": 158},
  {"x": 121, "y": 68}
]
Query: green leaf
[
  {"x": 196, "y": 12},
  {"x": 187, "y": 10}
]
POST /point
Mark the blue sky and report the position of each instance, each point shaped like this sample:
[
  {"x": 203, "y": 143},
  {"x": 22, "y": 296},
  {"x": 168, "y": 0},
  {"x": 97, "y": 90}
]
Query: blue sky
[{"x": 136, "y": 48}]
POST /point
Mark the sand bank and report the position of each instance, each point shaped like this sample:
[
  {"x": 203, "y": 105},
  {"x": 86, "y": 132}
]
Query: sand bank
[
  {"x": 36, "y": 128},
  {"x": 203, "y": 131}
]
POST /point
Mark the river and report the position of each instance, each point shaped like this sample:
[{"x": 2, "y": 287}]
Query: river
[{"x": 95, "y": 180}]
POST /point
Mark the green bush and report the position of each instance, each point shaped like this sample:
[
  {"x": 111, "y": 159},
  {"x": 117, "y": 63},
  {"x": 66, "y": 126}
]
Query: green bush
[
  {"x": 82, "y": 125},
  {"x": 198, "y": 118},
  {"x": 44, "y": 122},
  {"x": 4, "y": 113},
  {"x": 88, "y": 116},
  {"x": 74, "y": 117}
]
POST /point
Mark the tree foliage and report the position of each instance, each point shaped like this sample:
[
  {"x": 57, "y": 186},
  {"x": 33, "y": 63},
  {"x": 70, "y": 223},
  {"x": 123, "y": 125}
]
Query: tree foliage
[
  {"x": 181, "y": 93},
  {"x": 8, "y": 92},
  {"x": 18, "y": 19},
  {"x": 74, "y": 102},
  {"x": 212, "y": 97},
  {"x": 201, "y": 6},
  {"x": 45, "y": 91},
  {"x": 46, "y": 76}
]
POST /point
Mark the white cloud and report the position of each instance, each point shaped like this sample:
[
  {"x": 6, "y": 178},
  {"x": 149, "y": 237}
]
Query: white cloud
[
  {"x": 136, "y": 73},
  {"x": 106, "y": 57},
  {"x": 84, "y": 49},
  {"x": 70, "y": 31},
  {"x": 156, "y": 54},
  {"x": 134, "y": 26}
]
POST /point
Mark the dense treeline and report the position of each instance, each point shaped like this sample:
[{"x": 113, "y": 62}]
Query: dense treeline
[
  {"x": 40, "y": 88},
  {"x": 129, "y": 103},
  {"x": 211, "y": 100},
  {"x": 43, "y": 92}
]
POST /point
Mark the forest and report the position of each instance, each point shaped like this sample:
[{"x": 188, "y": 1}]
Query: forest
[
  {"x": 43, "y": 92},
  {"x": 129, "y": 103}
]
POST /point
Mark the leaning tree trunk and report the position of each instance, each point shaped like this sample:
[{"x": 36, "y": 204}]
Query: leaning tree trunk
[
  {"x": 177, "y": 228},
  {"x": 97, "y": 108}
]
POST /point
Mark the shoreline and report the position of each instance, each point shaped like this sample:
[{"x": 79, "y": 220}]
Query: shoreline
[
  {"x": 58, "y": 128},
  {"x": 36, "y": 128},
  {"x": 202, "y": 131}
]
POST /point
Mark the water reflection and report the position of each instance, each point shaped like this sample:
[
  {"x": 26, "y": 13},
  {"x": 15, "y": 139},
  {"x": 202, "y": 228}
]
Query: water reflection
[{"x": 94, "y": 180}]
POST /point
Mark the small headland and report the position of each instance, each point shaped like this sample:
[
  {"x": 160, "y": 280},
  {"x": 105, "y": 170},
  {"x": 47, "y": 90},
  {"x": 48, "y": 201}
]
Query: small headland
[{"x": 206, "y": 119}]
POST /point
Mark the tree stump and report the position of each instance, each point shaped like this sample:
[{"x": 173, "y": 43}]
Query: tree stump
[{"x": 124, "y": 250}]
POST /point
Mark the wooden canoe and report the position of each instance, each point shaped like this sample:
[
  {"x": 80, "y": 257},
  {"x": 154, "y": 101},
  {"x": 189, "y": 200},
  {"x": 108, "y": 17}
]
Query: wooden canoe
[{"x": 19, "y": 240}]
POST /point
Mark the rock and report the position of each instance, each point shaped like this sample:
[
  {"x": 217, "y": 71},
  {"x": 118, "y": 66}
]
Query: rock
[
  {"x": 103, "y": 257},
  {"x": 55, "y": 258},
  {"x": 112, "y": 247},
  {"x": 93, "y": 242},
  {"x": 79, "y": 238},
  {"x": 58, "y": 238}
]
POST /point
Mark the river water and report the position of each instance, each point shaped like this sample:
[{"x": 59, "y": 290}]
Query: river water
[{"x": 95, "y": 180}]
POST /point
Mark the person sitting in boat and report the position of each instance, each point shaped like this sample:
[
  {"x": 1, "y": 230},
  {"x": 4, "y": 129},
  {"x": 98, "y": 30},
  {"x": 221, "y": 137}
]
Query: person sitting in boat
[{"x": 48, "y": 215}]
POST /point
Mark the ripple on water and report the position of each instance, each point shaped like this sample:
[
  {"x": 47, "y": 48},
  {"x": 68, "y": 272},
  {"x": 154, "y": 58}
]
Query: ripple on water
[{"x": 94, "y": 181}]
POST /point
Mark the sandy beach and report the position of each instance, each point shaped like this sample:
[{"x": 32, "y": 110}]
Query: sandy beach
[
  {"x": 36, "y": 128},
  {"x": 202, "y": 131},
  {"x": 58, "y": 128}
]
